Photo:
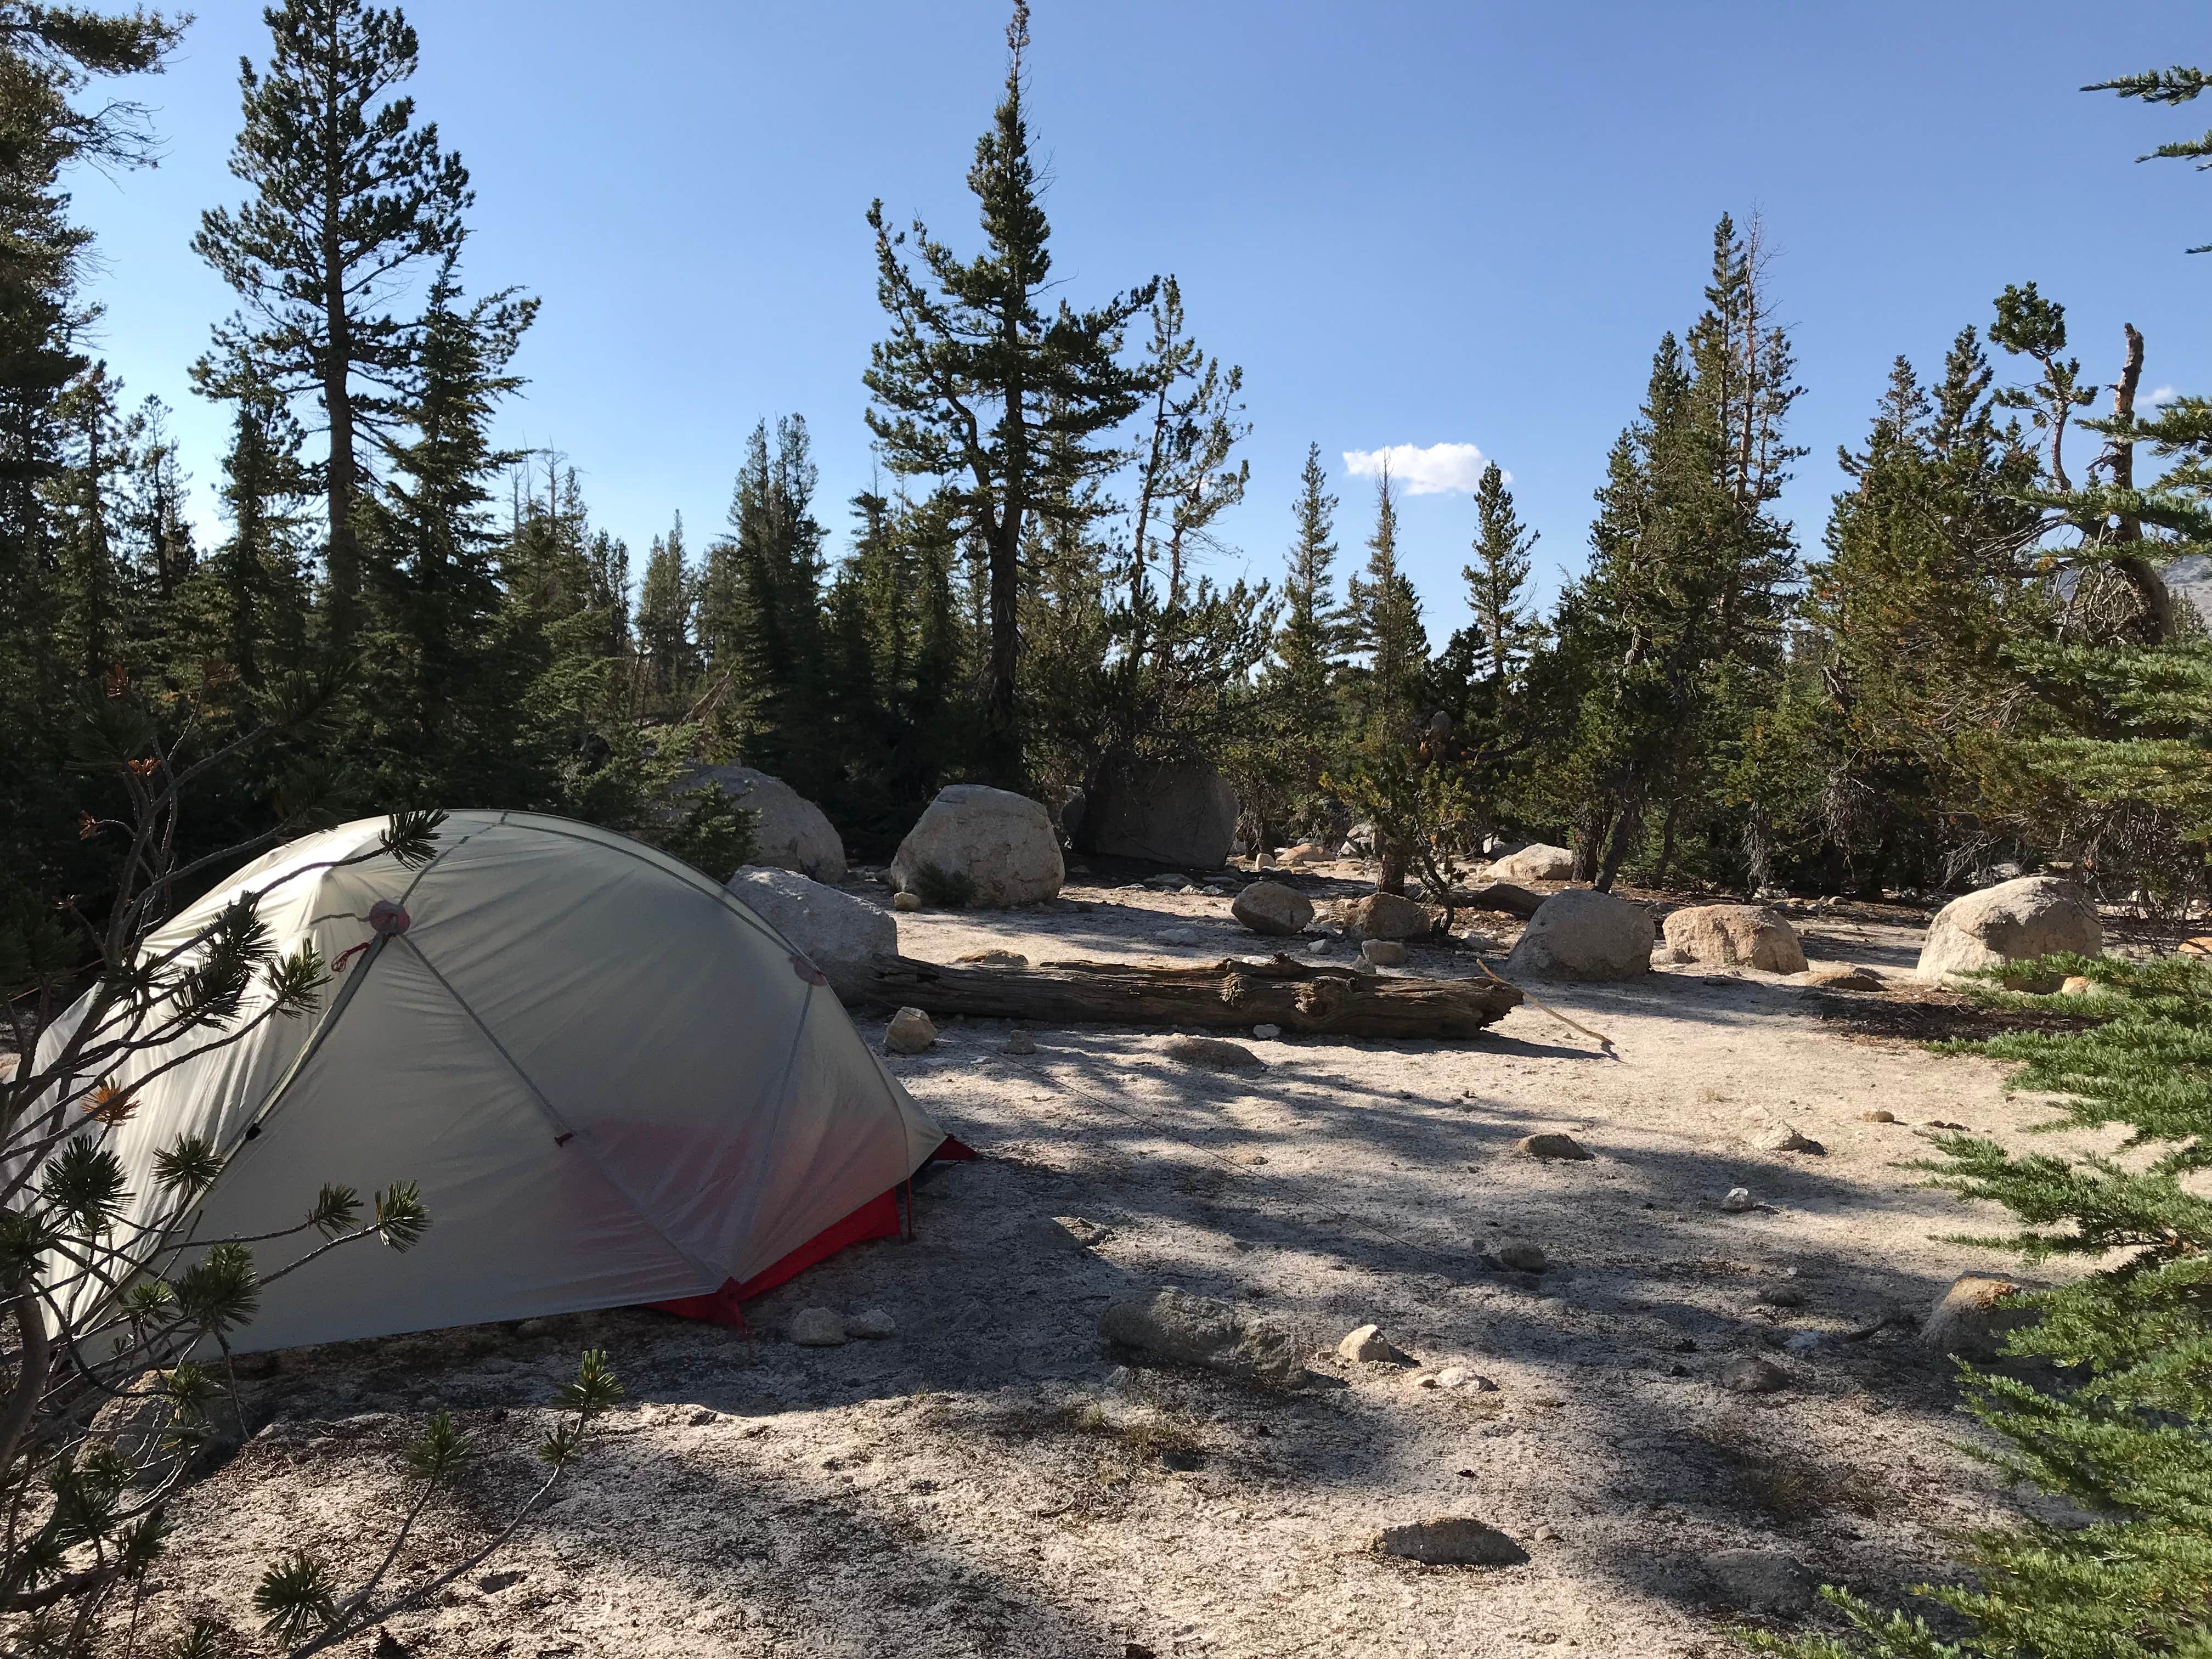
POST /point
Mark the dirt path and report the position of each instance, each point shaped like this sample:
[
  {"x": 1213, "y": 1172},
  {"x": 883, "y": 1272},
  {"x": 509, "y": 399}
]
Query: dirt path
[{"x": 976, "y": 1485}]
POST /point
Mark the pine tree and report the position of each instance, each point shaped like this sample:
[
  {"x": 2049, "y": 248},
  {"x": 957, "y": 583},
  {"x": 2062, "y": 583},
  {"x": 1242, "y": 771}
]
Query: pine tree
[
  {"x": 2120, "y": 1428},
  {"x": 440, "y": 701},
  {"x": 981, "y": 387},
  {"x": 1506, "y": 632},
  {"x": 1928, "y": 575},
  {"x": 769, "y": 639},
  {"x": 1299, "y": 687},
  {"x": 1383, "y": 622},
  {"x": 666, "y": 600},
  {"x": 251, "y": 597},
  {"x": 1675, "y": 642},
  {"x": 99, "y": 608},
  {"x": 348, "y": 194}
]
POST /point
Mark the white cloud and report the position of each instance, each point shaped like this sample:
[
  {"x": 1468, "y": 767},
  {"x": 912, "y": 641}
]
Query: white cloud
[
  {"x": 2164, "y": 394},
  {"x": 1437, "y": 470}
]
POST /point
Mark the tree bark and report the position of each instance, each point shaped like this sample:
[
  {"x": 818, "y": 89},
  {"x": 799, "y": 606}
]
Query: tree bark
[
  {"x": 2142, "y": 576},
  {"x": 1625, "y": 828},
  {"x": 1227, "y": 995}
]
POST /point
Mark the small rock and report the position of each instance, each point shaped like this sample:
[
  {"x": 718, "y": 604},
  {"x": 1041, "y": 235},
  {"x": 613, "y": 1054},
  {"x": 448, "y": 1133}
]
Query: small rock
[
  {"x": 1802, "y": 1341},
  {"x": 492, "y": 1584},
  {"x": 906, "y": 900},
  {"x": 871, "y": 1325},
  {"x": 1738, "y": 1200},
  {"x": 1384, "y": 916},
  {"x": 818, "y": 1328},
  {"x": 993, "y": 958},
  {"x": 1367, "y": 1345},
  {"x": 1844, "y": 978},
  {"x": 1522, "y": 1257},
  {"x": 1974, "y": 1315},
  {"x": 1760, "y": 1581},
  {"x": 910, "y": 1032},
  {"x": 1778, "y": 1137},
  {"x": 1458, "y": 1377},
  {"x": 1179, "y": 936},
  {"x": 2076, "y": 984},
  {"x": 1749, "y": 1375},
  {"x": 1384, "y": 953},
  {"x": 1550, "y": 1146},
  {"x": 702, "y": 1417},
  {"x": 1213, "y": 1053},
  {"x": 1173, "y": 1325},
  {"x": 1450, "y": 1541},
  {"x": 1782, "y": 1295},
  {"x": 1018, "y": 1042},
  {"x": 1266, "y": 1033},
  {"x": 1085, "y": 1235},
  {"x": 1546, "y": 1533},
  {"x": 1878, "y": 1115},
  {"x": 1269, "y": 906}
]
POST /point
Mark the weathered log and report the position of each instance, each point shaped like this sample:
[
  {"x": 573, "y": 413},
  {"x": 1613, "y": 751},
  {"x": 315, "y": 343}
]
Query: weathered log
[{"x": 1223, "y": 995}]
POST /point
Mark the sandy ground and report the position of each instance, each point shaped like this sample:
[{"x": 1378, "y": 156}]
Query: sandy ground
[{"x": 976, "y": 1485}]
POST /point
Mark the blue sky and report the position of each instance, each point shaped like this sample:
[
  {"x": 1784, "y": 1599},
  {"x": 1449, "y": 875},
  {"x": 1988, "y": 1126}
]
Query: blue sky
[{"x": 1413, "y": 223}]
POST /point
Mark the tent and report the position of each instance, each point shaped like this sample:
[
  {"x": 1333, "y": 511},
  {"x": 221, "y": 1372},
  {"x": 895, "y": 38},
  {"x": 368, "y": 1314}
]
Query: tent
[{"x": 611, "y": 1082}]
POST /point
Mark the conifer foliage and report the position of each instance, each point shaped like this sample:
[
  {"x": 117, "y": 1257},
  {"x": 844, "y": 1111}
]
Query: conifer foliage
[{"x": 2119, "y": 1430}]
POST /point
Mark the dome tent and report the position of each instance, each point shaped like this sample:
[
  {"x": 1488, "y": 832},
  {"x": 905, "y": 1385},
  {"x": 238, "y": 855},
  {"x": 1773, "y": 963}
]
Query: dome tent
[{"x": 611, "y": 1082}]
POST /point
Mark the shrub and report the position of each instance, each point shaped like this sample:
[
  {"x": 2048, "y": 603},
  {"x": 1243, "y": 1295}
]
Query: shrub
[
  {"x": 114, "y": 1375},
  {"x": 942, "y": 889},
  {"x": 2122, "y": 1433}
]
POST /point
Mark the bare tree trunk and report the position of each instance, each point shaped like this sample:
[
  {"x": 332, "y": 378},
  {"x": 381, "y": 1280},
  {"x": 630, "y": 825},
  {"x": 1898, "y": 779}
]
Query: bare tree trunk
[
  {"x": 1227, "y": 995},
  {"x": 342, "y": 565},
  {"x": 1625, "y": 829},
  {"x": 1392, "y": 876},
  {"x": 1667, "y": 842},
  {"x": 2143, "y": 576},
  {"x": 1002, "y": 731}
]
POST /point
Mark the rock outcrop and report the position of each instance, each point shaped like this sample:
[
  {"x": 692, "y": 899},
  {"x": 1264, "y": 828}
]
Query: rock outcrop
[
  {"x": 1736, "y": 936},
  {"x": 1537, "y": 863},
  {"x": 1183, "y": 813},
  {"x": 1584, "y": 934},
  {"x": 790, "y": 832},
  {"x": 1001, "y": 845},
  {"x": 1271, "y": 908},
  {"x": 1385, "y": 916},
  {"x": 2012, "y": 922},
  {"x": 838, "y": 934}
]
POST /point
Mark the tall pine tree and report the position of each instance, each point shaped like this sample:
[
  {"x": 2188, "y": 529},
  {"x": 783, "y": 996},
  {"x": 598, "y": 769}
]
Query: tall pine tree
[
  {"x": 989, "y": 388},
  {"x": 347, "y": 194}
]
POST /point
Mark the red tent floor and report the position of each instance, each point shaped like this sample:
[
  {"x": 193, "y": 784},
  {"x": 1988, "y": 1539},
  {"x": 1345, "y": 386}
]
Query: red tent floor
[{"x": 877, "y": 1218}]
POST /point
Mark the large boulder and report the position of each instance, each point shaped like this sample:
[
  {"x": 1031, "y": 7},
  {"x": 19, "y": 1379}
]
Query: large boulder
[
  {"x": 838, "y": 934},
  {"x": 999, "y": 843},
  {"x": 1385, "y": 916},
  {"x": 1183, "y": 813},
  {"x": 1269, "y": 906},
  {"x": 2011, "y": 922},
  {"x": 1582, "y": 933},
  {"x": 1502, "y": 897},
  {"x": 1537, "y": 863},
  {"x": 1736, "y": 936},
  {"x": 790, "y": 832}
]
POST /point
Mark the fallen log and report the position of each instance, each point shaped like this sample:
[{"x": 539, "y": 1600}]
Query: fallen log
[{"x": 1223, "y": 995}]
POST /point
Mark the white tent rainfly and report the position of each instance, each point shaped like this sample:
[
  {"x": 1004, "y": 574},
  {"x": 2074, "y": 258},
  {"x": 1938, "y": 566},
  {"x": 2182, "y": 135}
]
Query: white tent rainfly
[{"x": 611, "y": 1082}]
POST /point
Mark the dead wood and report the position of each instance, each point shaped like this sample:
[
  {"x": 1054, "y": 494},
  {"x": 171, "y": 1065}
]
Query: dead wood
[{"x": 1225, "y": 995}]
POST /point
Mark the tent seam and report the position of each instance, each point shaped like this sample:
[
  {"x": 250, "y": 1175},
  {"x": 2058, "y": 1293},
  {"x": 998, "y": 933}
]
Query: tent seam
[
  {"x": 550, "y": 1111},
  {"x": 690, "y": 879}
]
